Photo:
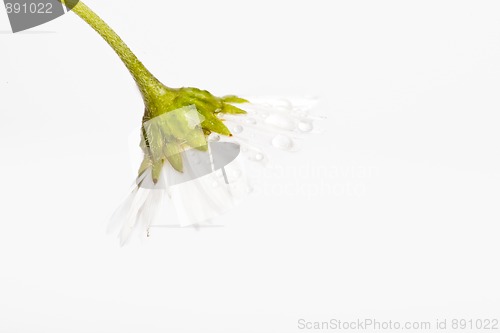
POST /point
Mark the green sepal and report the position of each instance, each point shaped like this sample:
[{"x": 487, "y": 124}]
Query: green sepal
[
  {"x": 231, "y": 109},
  {"x": 234, "y": 99},
  {"x": 145, "y": 165},
  {"x": 173, "y": 154},
  {"x": 214, "y": 124},
  {"x": 156, "y": 171},
  {"x": 179, "y": 128}
]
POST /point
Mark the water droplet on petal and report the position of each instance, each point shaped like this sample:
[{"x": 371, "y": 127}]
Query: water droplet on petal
[
  {"x": 281, "y": 121},
  {"x": 238, "y": 129},
  {"x": 282, "y": 142},
  {"x": 282, "y": 103},
  {"x": 259, "y": 157},
  {"x": 305, "y": 126},
  {"x": 264, "y": 114},
  {"x": 251, "y": 121},
  {"x": 214, "y": 137}
]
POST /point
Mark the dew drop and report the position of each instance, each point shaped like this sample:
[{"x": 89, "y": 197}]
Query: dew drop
[
  {"x": 236, "y": 173},
  {"x": 305, "y": 126},
  {"x": 282, "y": 142},
  {"x": 214, "y": 137},
  {"x": 238, "y": 129},
  {"x": 251, "y": 121},
  {"x": 287, "y": 104},
  {"x": 281, "y": 103},
  {"x": 256, "y": 156},
  {"x": 280, "y": 121}
]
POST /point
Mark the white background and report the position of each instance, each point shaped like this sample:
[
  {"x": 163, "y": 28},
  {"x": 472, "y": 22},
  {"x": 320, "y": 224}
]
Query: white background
[{"x": 392, "y": 214}]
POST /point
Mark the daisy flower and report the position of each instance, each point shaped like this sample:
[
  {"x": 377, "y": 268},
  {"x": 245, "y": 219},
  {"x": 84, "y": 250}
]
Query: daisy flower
[{"x": 194, "y": 143}]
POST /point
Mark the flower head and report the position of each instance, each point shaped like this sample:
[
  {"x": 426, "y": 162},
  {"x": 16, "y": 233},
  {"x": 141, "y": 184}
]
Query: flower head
[
  {"x": 205, "y": 176},
  {"x": 190, "y": 153}
]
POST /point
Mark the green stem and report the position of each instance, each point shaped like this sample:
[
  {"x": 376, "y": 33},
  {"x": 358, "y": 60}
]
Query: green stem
[{"x": 148, "y": 84}]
